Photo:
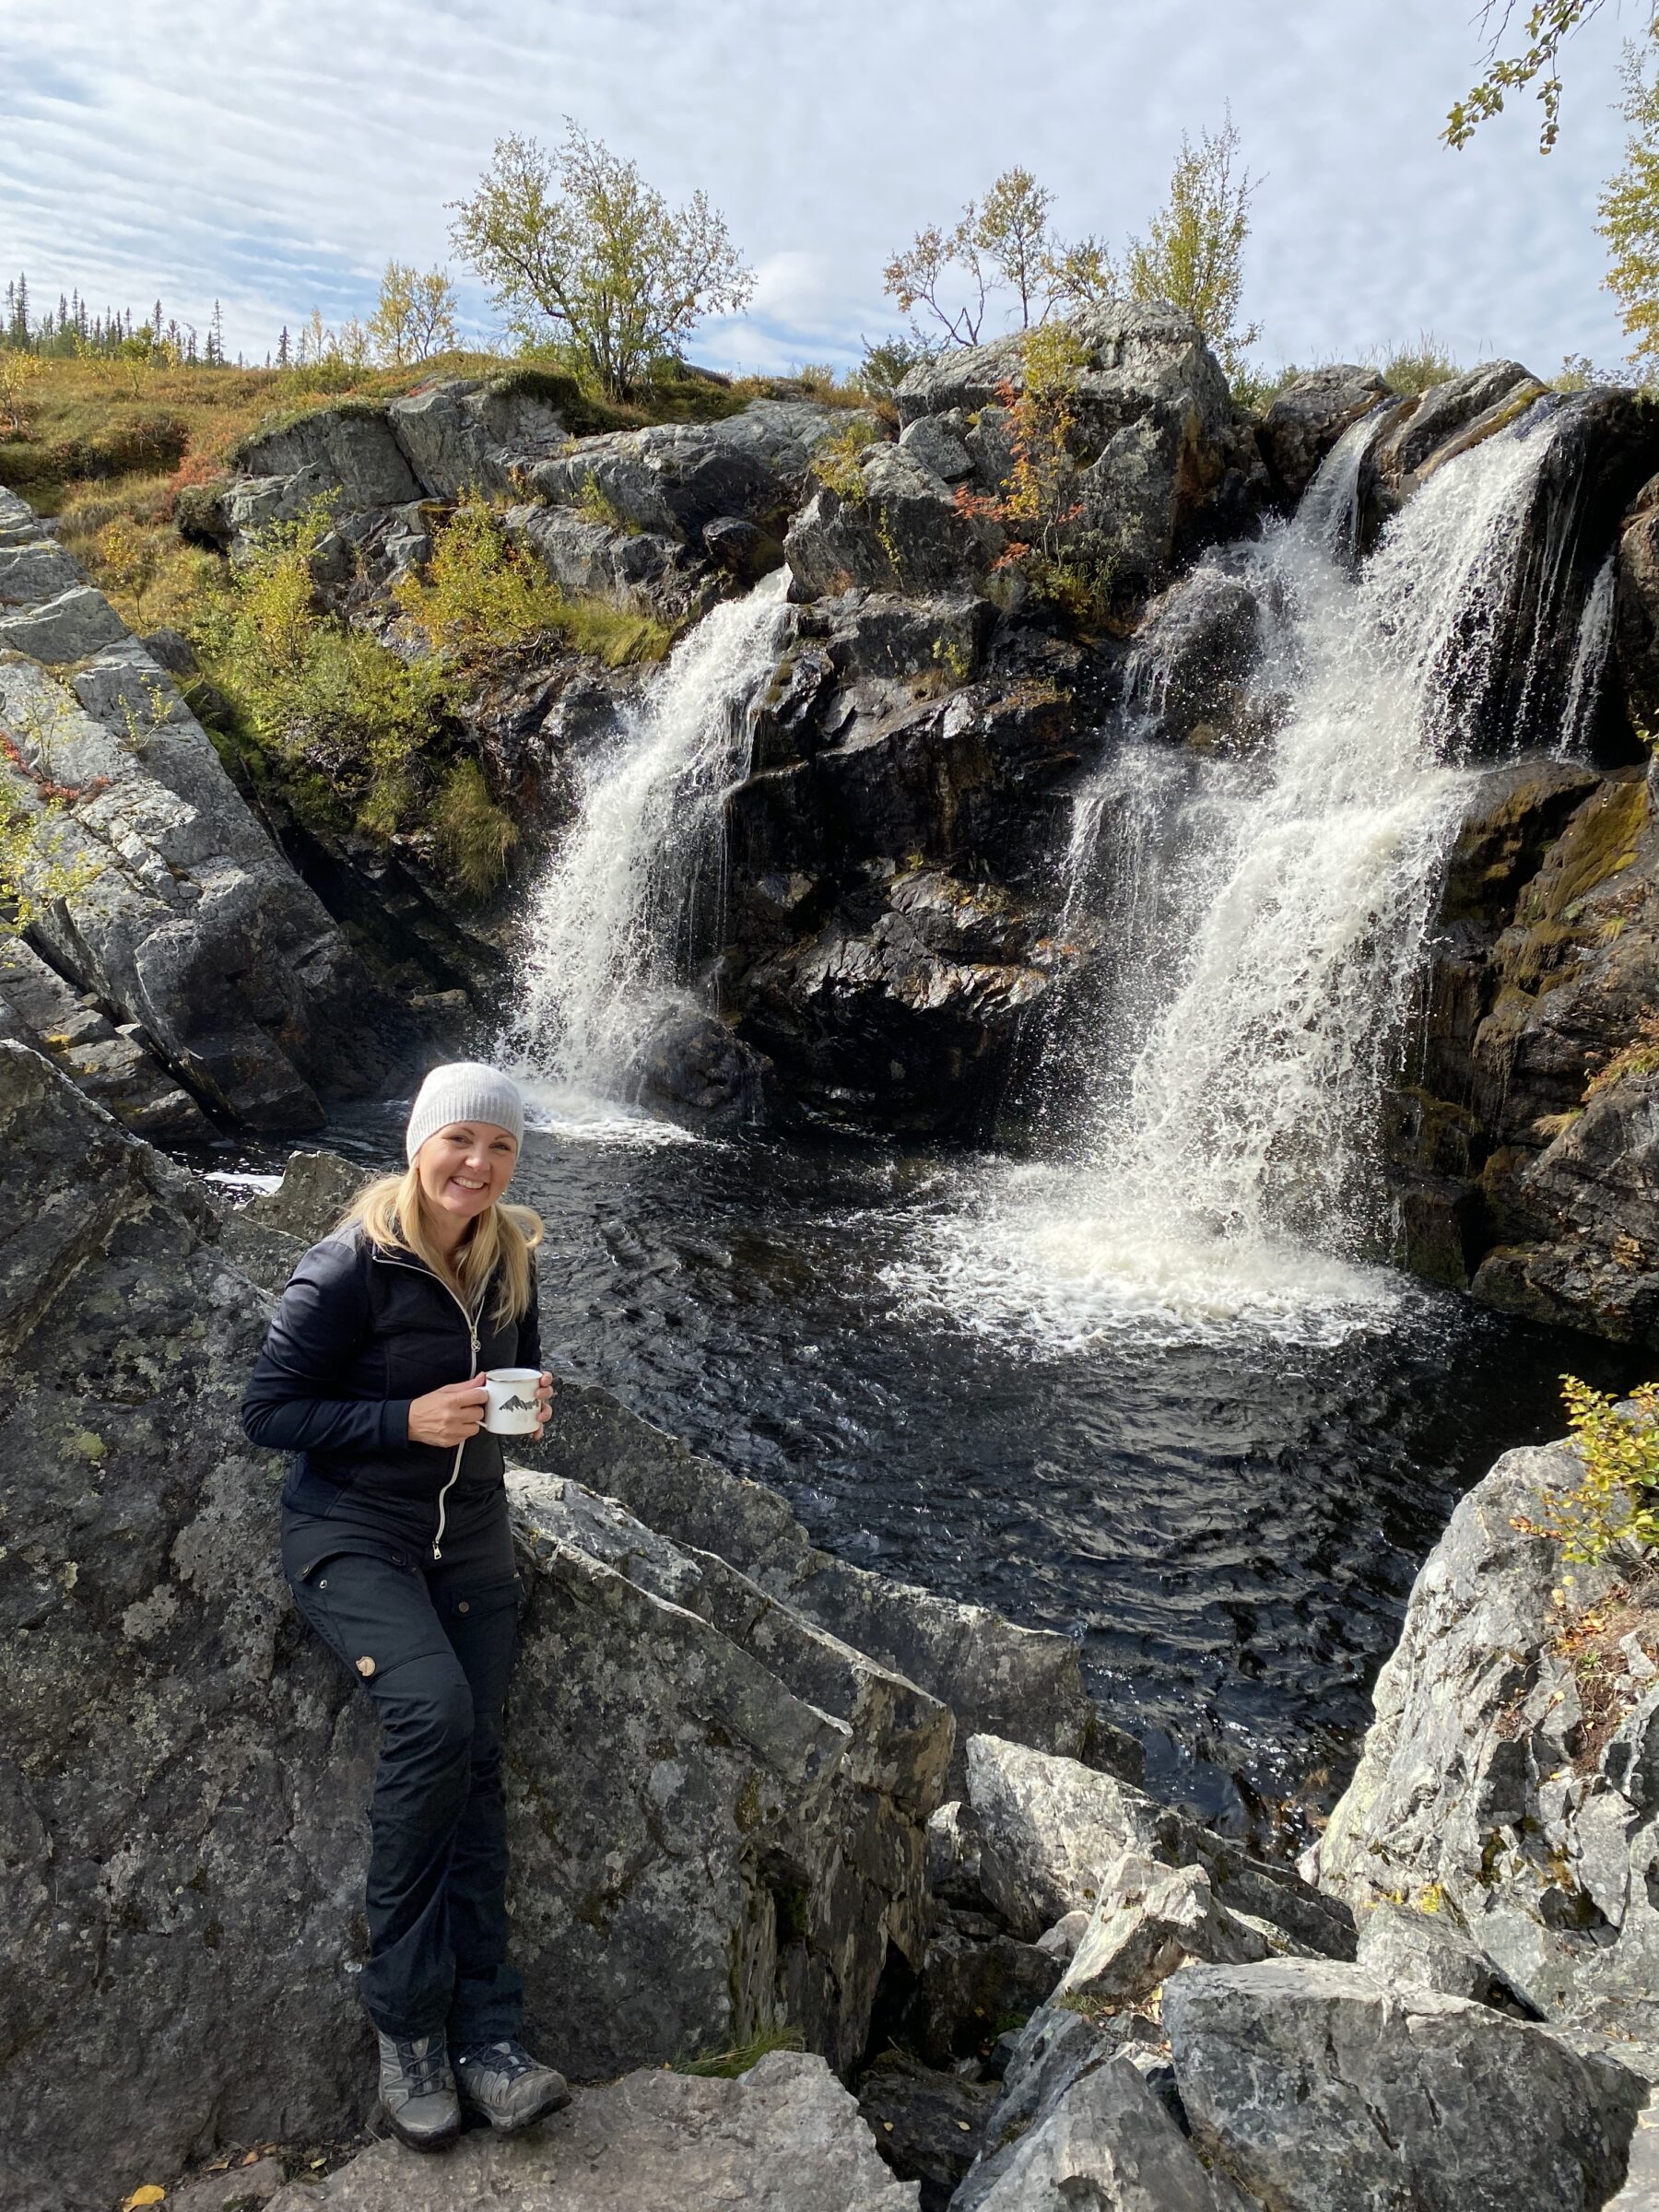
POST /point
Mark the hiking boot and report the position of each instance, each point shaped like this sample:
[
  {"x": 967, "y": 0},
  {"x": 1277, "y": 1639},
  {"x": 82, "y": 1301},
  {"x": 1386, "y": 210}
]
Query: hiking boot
[
  {"x": 418, "y": 2090},
  {"x": 509, "y": 2087}
]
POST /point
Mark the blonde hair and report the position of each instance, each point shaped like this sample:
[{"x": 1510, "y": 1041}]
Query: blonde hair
[{"x": 393, "y": 1216}]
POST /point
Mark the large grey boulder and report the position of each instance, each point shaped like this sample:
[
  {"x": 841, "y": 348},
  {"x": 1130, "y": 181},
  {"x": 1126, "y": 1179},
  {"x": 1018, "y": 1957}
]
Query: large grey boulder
[
  {"x": 175, "y": 908},
  {"x": 1051, "y": 1833},
  {"x": 718, "y": 1810},
  {"x": 1302, "y": 423},
  {"x": 1149, "y": 1921},
  {"x": 1407, "y": 1949},
  {"x": 675, "y": 478},
  {"x": 35, "y": 569},
  {"x": 1136, "y": 357},
  {"x": 1471, "y": 1787},
  {"x": 462, "y": 434},
  {"x": 783, "y": 2138},
  {"x": 72, "y": 624},
  {"x": 352, "y": 446},
  {"x": 1151, "y": 426},
  {"x": 1321, "y": 2090}
]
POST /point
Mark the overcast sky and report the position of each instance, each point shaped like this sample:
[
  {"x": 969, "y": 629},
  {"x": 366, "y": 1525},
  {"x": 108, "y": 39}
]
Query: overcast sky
[{"x": 273, "y": 153}]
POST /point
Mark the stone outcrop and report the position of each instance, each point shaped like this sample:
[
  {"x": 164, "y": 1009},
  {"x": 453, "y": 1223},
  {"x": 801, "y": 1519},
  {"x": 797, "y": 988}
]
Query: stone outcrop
[
  {"x": 109, "y": 1061},
  {"x": 462, "y": 435},
  {"x": 783, "y": 2138},
  {"x": 1153, "y": 426},
  {"x": 175, "y": 911},
  {"x": 1478, "y": 1790},
  {"x": 1636, "y": 609},
  {"x": 676, "y": 479}
]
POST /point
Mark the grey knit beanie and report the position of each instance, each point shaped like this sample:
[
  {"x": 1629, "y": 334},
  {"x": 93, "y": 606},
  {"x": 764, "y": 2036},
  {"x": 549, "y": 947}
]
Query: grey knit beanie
[{"x": 463, "y": 1091}]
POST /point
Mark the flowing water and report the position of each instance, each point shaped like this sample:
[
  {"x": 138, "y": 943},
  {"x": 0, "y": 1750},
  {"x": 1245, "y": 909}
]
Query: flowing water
[
  {"x": 1149, "y": 1387},
  {"x": 1271, "y": 925},
  {"x": 636, "y": 894}
]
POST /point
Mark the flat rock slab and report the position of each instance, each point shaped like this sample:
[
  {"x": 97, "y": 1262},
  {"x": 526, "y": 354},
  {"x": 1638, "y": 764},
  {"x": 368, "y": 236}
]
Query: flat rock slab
[{"x": 783, "y": 2138}]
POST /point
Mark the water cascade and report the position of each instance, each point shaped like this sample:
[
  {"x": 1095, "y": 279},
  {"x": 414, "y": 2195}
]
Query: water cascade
[
  {"x": 634, "y": 896},
  {"x": 1273, "y": 920}
]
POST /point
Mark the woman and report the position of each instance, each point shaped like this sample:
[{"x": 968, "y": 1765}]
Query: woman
[{"x": 396, "y": 1546}]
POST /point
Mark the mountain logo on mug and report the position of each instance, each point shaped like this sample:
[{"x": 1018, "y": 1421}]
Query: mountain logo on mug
[{"x": 518, "y": 1404}]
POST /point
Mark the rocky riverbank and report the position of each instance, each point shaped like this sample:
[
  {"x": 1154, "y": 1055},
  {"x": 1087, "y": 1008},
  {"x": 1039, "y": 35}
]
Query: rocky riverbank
[{"x": 755, "y": 1793}]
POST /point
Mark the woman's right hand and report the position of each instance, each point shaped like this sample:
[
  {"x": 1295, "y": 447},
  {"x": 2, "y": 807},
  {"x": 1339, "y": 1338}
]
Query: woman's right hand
[{"x": 449, "y": 1415}]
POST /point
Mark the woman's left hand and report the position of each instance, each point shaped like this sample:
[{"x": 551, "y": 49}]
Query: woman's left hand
[{"x": 544, "y": 1396}]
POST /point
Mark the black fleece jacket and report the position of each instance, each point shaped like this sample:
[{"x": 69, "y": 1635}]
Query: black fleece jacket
[{"x": 358, "y": 1333}]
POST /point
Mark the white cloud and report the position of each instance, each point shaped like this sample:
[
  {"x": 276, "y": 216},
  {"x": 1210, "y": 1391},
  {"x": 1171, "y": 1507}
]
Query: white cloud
[{"x": 274, "y": 155}]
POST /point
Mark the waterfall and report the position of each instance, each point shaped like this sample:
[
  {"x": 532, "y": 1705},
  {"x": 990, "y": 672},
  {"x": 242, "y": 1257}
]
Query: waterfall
[
  {"x": 1589, "y": 662},
  {"x": 1226, "y": 1163},
  {"x": 634, "y": 897}
]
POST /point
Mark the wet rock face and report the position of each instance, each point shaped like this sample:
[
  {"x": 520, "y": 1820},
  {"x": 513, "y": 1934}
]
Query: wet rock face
[
  {"x": 1473, "y": 1788},
  {"x": 181, "y": 917},
  {"x": 1192, "y": 656},
  {"x": 1304, "y": 421},
  {"x": 910, "y": 1020},
  {"x": 1526, "y": 1157}
]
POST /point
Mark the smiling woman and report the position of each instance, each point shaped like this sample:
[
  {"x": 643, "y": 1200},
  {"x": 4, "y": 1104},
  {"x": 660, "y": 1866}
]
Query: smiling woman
[{"x": 376, "y": 1374}]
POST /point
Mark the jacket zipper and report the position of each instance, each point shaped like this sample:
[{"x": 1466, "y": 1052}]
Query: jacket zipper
[{"x": 471, "y": 1338}]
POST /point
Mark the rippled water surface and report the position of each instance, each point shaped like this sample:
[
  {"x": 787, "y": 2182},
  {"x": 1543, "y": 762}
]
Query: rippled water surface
[{"x": 1225, "y": 1517}]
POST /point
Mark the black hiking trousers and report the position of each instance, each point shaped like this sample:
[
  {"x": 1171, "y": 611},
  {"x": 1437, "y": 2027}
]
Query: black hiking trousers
[{"x": 433, "y": 1645}]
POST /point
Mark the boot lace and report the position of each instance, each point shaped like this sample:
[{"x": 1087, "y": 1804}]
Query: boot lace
[
  {"x": 422, "y": 2064},
  {"x": 511, "y": 2059}
]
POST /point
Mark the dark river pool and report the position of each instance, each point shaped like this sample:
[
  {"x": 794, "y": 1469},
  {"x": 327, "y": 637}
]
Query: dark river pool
[{"x": 1225, "y": 1517}]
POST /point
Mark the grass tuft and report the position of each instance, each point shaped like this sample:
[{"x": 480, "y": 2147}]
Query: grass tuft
[{"x": 726, "y": 2065}]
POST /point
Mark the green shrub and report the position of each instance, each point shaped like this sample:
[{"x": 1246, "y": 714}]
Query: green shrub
[
  {"x": 1413, "y": 370},
  {"x": 301, "y": 684},
  {"x": 473, "y": 835},
  {"x": 481, "y": 594},
  {"x": 835, "y": 460},
  {"x": 1618, "y": 1498}
]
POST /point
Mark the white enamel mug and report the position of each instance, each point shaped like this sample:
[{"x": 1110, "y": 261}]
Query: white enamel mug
[{"x": 512, "y": 1407}]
